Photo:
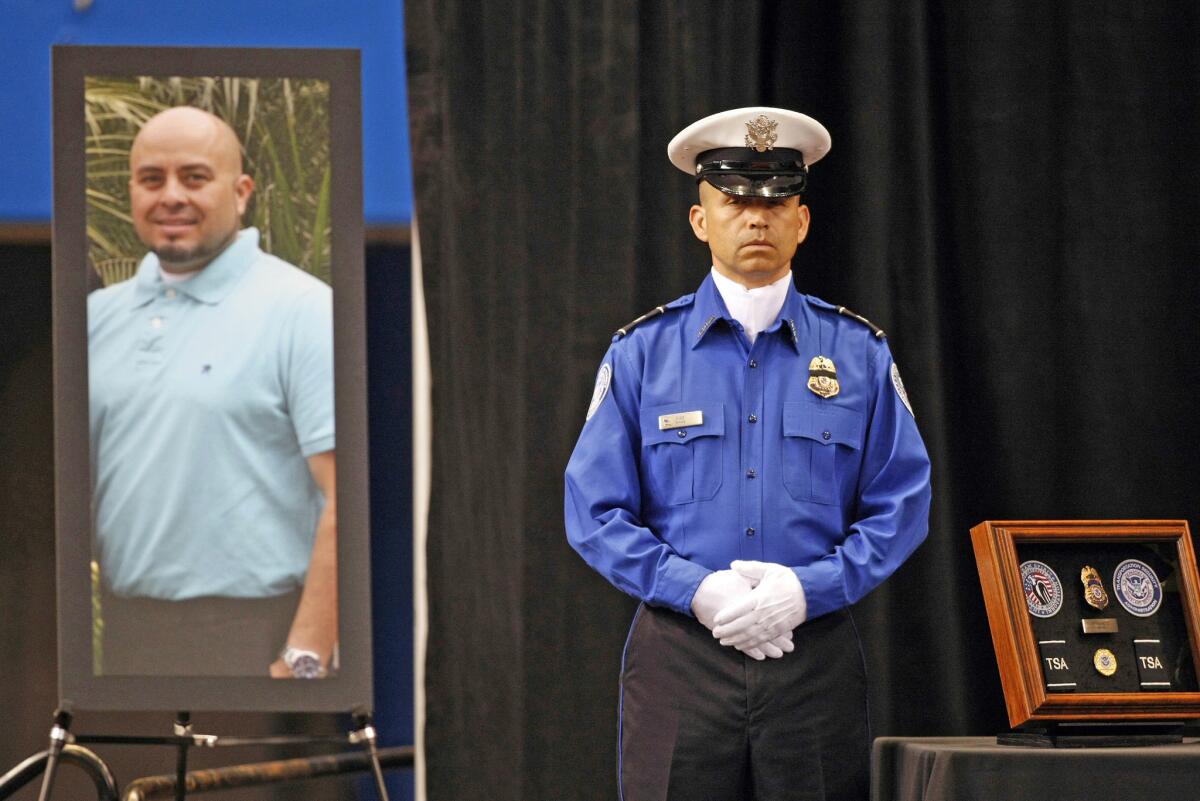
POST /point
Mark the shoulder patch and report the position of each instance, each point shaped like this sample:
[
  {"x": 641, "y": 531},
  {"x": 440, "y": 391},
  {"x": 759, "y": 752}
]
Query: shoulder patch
[
  {"x": 876, "y": 330},
  {"x": 650, "y": 315},
  {"x": 900, "y": 390},
  {"x": 600, "y": 392}
]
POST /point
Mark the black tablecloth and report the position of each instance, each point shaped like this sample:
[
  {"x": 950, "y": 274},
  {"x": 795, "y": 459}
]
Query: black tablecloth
[{"x": 976, "y": 769}]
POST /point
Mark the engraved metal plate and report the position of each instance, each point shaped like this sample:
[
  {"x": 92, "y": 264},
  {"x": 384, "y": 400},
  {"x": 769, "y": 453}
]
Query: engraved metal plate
[
  {"x": 1100, "y": 625},
  {"x": 680, "y": 420}
]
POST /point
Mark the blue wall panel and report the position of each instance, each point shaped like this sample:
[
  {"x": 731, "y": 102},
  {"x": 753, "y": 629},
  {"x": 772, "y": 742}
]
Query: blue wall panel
[{"x": 29, "y": 27}]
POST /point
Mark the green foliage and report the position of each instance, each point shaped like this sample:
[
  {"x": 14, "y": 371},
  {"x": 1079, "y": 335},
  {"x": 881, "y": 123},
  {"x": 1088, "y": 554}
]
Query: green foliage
[{"x": 283, "y": 125}]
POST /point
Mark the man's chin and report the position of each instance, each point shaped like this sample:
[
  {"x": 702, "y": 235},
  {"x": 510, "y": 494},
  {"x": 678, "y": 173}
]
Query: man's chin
[
  {"x": 762, "y": 268},
  {"x": 178, "y": 258},
  {"x": 174, "y": 254}
]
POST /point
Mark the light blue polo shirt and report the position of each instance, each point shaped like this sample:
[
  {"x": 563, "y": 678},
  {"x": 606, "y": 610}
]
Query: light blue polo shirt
[{"x": 207, "y": 397}]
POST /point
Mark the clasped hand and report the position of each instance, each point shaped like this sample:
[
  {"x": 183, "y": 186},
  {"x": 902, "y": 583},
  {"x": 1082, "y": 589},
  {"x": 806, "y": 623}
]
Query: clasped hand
[{"x": 753, "y": 607}]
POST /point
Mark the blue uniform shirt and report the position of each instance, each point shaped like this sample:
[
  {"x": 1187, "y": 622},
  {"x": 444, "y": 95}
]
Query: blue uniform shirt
[
  {"x": 207, "y": 397},
  {"x": 835, "y": 488}
]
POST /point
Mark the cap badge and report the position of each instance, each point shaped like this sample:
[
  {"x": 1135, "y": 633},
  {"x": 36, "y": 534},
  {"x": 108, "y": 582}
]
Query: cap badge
[
  {"x": 761, "y": 133},
  {"x": 822, "y": 377},
  {"x": 1093, "y": 588}
]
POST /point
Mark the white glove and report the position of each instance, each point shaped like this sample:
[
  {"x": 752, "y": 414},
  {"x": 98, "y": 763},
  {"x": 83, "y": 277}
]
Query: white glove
[
  {"x": 722, "y": 588},
  {"x": 776, "y": 605}
]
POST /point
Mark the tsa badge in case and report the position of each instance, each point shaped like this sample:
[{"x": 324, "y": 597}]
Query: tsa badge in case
[{"x": 1093, "y": 588}]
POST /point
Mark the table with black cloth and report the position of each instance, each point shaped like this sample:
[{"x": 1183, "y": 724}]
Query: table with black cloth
[{"x": 976, "y": 769}]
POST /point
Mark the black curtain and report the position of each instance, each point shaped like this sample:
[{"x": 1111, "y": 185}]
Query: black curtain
[{"x": 1011, "y": 194}]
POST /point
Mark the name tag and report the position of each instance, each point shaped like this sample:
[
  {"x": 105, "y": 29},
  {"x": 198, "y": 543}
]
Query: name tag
[{"x": 680, "y": 420}]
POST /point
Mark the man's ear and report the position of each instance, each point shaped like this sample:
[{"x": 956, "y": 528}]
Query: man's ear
[
  {"x": 805, "y": 219},
  {"x": 699, "y": 222},
  {"x": 243, "y": 187}
]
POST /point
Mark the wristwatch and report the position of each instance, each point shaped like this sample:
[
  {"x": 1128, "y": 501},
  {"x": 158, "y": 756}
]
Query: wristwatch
[{"x": 303, "y": 664}]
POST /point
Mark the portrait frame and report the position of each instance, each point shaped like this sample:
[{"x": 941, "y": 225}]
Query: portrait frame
[
  {"x": 1028, "y": 701},
  {"x": 351, "y": 686}
]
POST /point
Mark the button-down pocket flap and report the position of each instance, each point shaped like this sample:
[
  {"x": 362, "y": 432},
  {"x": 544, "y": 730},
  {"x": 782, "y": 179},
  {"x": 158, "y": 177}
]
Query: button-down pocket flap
[
  {"x": 823, "y": 423},
  {"x": 713, "y": 424}
]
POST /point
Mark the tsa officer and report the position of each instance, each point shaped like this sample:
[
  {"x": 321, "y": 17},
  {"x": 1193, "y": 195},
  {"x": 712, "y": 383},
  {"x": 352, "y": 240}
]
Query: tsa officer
[{"x": 749, "y": 467}]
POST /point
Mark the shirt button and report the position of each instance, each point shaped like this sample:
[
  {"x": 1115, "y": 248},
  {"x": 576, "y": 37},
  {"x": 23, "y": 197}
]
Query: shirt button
[
  {"x": 682, "y": 433},
  {"x": 751, "y": 473},
  {"x": 170, "y": 293},
  {"x": 750, "y": 531},
  {"x": 752, "y": 418},
  {"x": 825, "y": 435},
  {"x": 753, "y": 363},
  {"x": 156, "y": 322}
]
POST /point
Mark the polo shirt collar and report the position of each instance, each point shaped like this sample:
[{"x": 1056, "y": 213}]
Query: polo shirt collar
[
  {"x": 215, "y": 280},
  {"x": 709, "y": 308}
]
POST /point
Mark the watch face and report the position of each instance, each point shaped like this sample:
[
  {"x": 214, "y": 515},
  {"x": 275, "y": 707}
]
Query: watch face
[{"x": 306, "y": 667}]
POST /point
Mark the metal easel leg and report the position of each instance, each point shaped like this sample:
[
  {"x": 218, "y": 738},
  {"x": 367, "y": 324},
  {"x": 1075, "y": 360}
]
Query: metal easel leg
[
  {"x": 364, "y": 732},
  {"x": 183, "y": 728},
  {"x": 60, "y": 734}
]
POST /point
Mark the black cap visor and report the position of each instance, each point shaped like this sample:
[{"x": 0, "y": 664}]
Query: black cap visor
[
  {"x": 757, "y": 184},
  {"x": 747, "y": 173}
]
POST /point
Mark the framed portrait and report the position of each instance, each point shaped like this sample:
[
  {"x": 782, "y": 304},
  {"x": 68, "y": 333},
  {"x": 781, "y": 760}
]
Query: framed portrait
[
  {"x": 1093, "y": 620},
  {"x": 210, "y": 380}
]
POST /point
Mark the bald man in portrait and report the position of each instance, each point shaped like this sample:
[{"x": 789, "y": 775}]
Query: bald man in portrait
[{"x": 212, "y": 433}]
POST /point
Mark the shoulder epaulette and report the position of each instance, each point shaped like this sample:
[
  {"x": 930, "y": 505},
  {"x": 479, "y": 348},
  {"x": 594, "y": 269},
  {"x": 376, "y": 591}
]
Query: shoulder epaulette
[
  {"x": 625, "y": 329},
  {"x": 876, "y": 330},
  {"x": 650, "y": 315}
]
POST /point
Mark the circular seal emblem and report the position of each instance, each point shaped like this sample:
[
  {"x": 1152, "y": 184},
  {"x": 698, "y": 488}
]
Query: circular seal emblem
[
  {"x": 1105, "y": 662},
  {"x": 1137, "y": 587},
  {"x": 603, "y": 379},
  {"x": 900, "y": 390},
  {"x": 1043, "y": 590}
]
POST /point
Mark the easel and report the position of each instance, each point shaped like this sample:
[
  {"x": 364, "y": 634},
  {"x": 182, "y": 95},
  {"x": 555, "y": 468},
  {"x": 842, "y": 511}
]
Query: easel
[{"x": 184, "y": 738}]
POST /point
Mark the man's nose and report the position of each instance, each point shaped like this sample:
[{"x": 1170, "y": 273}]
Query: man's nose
[
  {"x": 756, "y": 215},
  {"x": 172, "y": 193}
]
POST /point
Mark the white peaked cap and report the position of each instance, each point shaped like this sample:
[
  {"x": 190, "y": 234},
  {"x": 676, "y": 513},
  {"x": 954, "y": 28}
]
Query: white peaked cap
[{"x": 732, "y": 129}]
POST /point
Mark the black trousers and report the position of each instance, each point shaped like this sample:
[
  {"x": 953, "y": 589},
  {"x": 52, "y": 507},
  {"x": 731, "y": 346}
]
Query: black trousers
[
  {"x": 703, "y": 722},
  {"x": 198, "y": 637}
]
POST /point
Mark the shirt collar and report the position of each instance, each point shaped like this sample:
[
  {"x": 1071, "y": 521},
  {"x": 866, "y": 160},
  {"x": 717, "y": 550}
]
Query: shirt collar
[
  {"x": 709, "y": 308},
  {"x": 215, "y": 280},
  {"x": 756, "y": 309}
]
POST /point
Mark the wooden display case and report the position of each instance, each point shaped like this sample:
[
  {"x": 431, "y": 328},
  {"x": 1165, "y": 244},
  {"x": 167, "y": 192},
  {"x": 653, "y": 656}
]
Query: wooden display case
[{"x": 1036, "y": 587}]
